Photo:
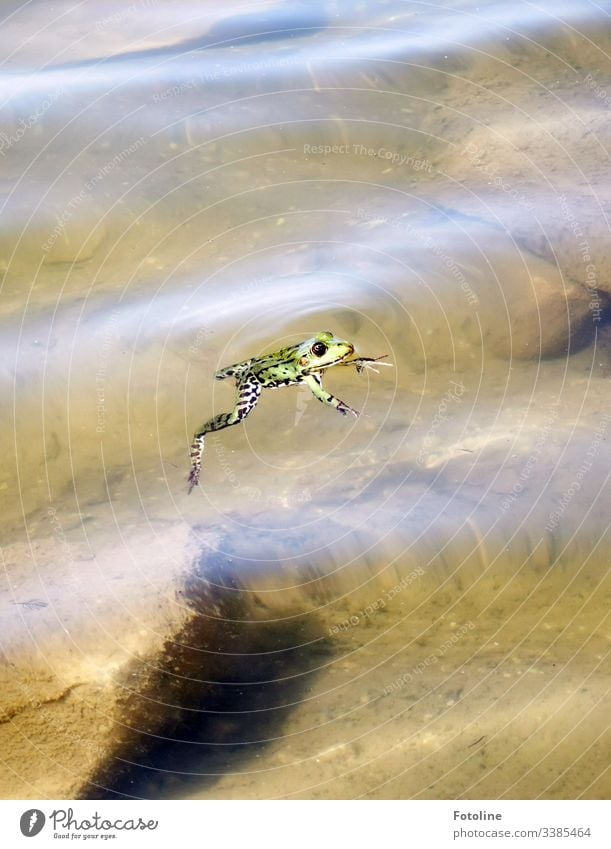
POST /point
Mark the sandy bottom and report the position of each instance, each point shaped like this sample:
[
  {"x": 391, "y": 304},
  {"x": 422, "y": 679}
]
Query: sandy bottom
[
  {"x": 411, "y": 605},
  {"x": 477, "y": 722}
]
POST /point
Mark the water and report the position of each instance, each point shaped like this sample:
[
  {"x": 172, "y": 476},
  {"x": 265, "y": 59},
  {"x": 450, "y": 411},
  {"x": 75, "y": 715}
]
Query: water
[{"x": 410, "y": 604}]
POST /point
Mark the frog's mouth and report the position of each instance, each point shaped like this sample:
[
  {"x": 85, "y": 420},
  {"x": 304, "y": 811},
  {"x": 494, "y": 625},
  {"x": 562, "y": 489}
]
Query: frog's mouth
[{"x": 336, "y": 362}]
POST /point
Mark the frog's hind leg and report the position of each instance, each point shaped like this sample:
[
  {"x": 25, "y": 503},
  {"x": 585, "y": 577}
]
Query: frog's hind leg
[
  {"x": 196, "y": 455},
  {"x": 236, "y": 370},
  {"x": 248, "y": 392}
]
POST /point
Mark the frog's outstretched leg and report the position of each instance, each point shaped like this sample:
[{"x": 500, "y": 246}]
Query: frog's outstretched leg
[
  {"x": 248, "y": 392},
  {"x": 314, "y": 381}
]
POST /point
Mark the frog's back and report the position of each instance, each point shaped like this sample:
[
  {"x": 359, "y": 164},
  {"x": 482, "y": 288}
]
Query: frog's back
[{"x": 263, "y": 368}]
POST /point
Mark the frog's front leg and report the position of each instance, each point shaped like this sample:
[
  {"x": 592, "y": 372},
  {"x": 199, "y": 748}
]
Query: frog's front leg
[
  {"x": 248, "y": 392},
  {"x": 314, "y": 381}
]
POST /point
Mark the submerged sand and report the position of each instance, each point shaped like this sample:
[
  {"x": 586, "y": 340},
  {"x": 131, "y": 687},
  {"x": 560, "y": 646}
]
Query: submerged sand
[{"x": 412, "y": 605}]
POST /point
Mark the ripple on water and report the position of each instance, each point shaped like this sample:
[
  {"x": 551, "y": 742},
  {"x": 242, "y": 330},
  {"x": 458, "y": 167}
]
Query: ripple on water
[{"x": 406, "y": 605}]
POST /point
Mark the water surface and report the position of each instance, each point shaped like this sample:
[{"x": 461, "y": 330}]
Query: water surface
[{"x": 410, "y": 604}]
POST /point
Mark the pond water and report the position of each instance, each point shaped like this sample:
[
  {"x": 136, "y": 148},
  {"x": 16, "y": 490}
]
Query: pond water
[{"x": 407, "y": 604}]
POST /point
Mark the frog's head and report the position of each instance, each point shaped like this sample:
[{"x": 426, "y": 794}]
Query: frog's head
[{"x": 322, "y": 351}]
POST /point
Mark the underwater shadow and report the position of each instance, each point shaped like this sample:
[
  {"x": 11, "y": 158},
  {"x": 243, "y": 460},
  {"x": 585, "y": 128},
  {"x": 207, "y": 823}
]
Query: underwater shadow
[{"x": 220, "y": 692}]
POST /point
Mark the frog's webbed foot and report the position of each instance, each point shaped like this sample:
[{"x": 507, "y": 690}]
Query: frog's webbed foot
[{"x": 344, "y": 409}]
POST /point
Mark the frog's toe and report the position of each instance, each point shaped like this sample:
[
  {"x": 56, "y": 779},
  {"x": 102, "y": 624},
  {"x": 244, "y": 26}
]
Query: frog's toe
[{"x": 344, "y": 409}]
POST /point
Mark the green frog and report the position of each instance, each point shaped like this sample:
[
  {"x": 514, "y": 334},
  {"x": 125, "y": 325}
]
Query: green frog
[{"x": 302, "y": 363}]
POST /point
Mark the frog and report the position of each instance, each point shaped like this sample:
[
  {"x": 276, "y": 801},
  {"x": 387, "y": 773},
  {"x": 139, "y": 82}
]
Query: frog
[{"x": 303, "y": 363}]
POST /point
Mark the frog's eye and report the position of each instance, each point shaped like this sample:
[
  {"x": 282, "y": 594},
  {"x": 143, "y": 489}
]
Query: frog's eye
[{"x": 319, "y": 348}]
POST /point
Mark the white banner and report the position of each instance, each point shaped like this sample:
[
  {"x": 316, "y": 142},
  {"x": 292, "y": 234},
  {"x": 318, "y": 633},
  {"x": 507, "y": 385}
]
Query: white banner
[{"x": 296, "y": 824}]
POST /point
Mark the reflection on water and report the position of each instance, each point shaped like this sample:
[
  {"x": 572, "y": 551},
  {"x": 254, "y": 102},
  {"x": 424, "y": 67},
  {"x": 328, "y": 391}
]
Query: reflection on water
[{"x": 409, "y": 604}]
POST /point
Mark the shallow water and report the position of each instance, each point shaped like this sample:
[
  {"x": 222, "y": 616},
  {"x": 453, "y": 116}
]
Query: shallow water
[{"x": 183, "y": 188}]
